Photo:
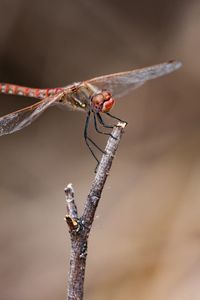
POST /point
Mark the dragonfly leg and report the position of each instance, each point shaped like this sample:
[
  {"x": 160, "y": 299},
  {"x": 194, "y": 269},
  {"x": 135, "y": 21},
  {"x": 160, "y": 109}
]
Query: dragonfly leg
[
  {"x": 116, "y": 118},
  {"x": 101, "y": 121},
  {"x": 97, "y": 129},
  {"x": 88, "y": 139}
]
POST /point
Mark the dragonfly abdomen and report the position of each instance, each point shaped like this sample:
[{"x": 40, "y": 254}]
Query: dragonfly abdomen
[{"x": 12, "y": 89}]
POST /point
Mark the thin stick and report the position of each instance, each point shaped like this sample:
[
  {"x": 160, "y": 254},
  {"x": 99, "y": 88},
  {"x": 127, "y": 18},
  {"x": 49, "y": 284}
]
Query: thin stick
[{"x": 79, "y": 227}]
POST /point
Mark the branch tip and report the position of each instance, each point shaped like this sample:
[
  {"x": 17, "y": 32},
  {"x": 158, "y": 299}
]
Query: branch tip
[
  {"x": 69, "y": 192},
  {"x": 70, "y": 202},
  {"x": 121, "y": 124}
]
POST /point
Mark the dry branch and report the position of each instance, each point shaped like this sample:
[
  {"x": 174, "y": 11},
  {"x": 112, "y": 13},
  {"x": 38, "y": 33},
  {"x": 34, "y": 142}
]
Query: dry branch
[{"x": 79, "y": 227}]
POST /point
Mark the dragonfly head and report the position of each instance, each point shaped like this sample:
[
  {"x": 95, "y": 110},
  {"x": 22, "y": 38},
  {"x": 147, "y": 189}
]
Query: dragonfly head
[{"x": 102, "y": 102}]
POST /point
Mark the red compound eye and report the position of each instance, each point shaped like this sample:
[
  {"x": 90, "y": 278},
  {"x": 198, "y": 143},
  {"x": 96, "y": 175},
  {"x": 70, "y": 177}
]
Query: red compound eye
[
  {"x": 107, "y": 105},
  {"x": 97, "y": 100},
  {"x": 106, "y": 95},
  {"x": 102, "y": 102}
]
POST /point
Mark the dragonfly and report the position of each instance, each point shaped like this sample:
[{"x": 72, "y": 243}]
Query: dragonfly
[{"x": 95, "y": 96}]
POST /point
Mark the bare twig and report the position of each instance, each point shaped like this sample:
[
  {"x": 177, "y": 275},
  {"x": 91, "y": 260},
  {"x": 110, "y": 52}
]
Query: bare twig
[
  {"x": 79, "y": 227},
  {"x": 72, "y": 213}
]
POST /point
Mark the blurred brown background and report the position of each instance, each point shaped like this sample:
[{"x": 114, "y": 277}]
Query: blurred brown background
[{"x": 146, "y": 238}]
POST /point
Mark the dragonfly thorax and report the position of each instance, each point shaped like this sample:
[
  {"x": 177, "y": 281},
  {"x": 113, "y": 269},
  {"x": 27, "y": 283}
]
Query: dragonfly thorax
[{"x": 102, "y": 102}]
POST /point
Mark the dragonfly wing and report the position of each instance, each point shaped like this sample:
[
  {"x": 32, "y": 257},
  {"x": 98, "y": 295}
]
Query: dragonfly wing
[
  {"x": 120, "y": 84},
  {"x": 21, "y": 118}
]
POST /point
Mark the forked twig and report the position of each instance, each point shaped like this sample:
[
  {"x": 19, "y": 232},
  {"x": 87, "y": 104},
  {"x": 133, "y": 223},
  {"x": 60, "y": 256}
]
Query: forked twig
[{"x": 79, "y": 227}]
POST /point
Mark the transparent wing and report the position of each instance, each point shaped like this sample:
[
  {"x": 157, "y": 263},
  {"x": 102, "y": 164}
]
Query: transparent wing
[
  {"x": 21, "y": 118},
  {"x": 120, "y": 84}
]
